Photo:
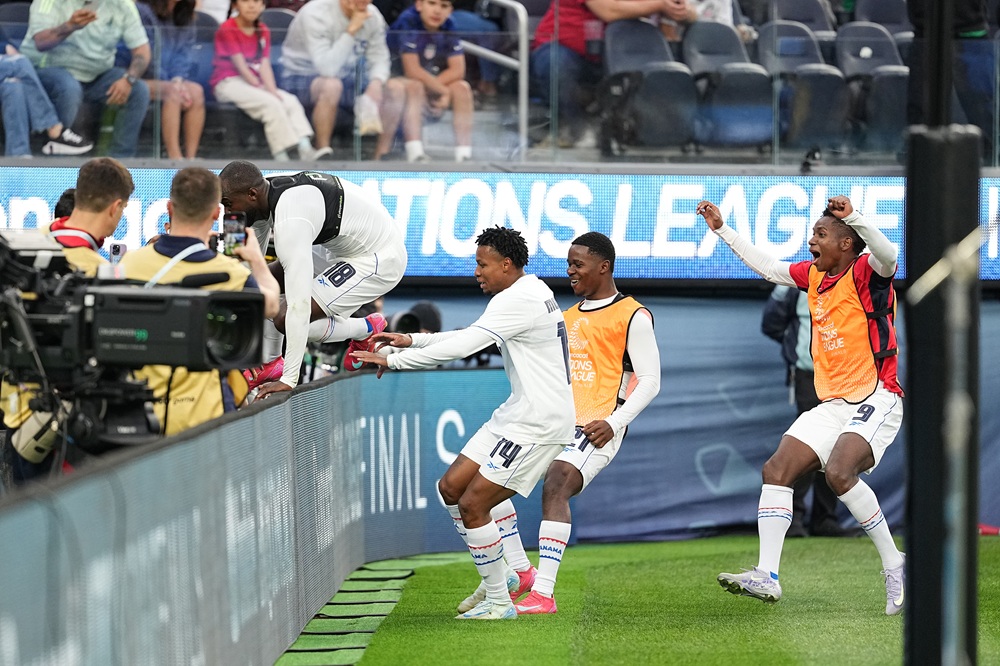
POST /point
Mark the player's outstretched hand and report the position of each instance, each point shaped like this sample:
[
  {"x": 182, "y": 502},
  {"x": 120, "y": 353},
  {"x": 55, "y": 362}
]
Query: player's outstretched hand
[
  {"x": 272, "y": 387},
  {"x": 599, "y": 433},
  {"x": 710, "y": 212},
  {"x": 840, "y": 206},
  {"x": 386, "y": 339},
  {"x": 374, "y": 358}
]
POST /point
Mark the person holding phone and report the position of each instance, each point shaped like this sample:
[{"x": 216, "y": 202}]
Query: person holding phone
[
  {"x": 185, "y": 399},
  {"x": 359, "y": 256},
  {"x": 73, "y": 45}
]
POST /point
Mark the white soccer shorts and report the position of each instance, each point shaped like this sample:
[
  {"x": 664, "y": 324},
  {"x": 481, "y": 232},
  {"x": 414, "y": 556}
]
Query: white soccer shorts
[
  {"x": 877, "y": 420},
  {"x": 514, "y": 465},
  {"x": 342, "y": 285},
  {"x": 587, "y": 458}
]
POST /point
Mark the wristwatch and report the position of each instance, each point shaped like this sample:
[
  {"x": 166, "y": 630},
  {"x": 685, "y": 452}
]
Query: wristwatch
[{"x": 131, "y": 79}]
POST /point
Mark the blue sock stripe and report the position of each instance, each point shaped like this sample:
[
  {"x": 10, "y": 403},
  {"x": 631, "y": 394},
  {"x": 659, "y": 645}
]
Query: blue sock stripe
[
  {"x": 877, "y": 520},
  {"x": 550, "y": 557},
  {"x": 771, "y": 513},
  {"x": 496, "y": 559},
  {"x": 509, "y": 534}
]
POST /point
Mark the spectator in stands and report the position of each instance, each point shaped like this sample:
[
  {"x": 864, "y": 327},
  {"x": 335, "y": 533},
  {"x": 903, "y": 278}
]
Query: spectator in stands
[
  {"x": 103, "y": 188},
  {"x": 432, "y": 63},
  {"x": 26, "y": 108},
  {"x": 74, "y": 51},
  {"x": 185, "y": 399},
  {"x": 335, "y": 48},
  {"x": 475, "y": 27},
  {"x": 973, "y": 66},
  {"x": 575, "y": 60},
  {"x": 242, "y": 75},
  {"x": 171, "y": 31},
  {"x": 217, "y": 9}
]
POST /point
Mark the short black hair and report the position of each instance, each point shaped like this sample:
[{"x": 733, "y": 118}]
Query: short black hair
[
  {"x": 64, "y": 207},
  {"x": 599, "y": 244},
  {"x": 844, "y": 229},
  {"x": 240, "y": 176},
  {"x": 507, "y": 242}
]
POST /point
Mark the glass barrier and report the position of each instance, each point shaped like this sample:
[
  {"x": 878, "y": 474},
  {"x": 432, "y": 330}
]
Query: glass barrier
[{"x": 644, "y": 91}]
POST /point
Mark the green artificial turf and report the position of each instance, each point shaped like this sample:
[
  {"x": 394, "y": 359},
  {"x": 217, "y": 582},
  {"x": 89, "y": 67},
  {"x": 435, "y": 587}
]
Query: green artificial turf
[{"x": 659, "y": 603}]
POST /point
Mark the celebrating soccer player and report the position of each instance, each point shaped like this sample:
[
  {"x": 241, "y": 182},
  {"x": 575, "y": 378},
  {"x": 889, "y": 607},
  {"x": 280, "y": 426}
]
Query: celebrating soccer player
[
  {"x": 514, "y": 448},
  {"x": 852, "y": 304}
]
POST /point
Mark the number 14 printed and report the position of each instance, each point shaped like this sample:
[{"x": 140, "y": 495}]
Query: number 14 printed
[{"x": 508, "y": 450}]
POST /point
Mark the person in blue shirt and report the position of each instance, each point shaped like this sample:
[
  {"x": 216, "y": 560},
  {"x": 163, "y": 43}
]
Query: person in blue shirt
[
  {"x": 432, "y": 62},
  {"x": 26, "y": 108},
  {"x": 171, "y": 30}
]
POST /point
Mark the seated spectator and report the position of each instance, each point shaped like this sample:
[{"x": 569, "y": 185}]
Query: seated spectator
[
  {"x": 242, "y": 75},
  {"x": 26, "y": 108},
  {"x": 171, "y": 22},
  {"x": 74, "y": 53},
  {"x": 333, "y": 49},
  {"x": 575, "y": 60},
  {"x": 185, "y": 399},
  {"x": 476, "y": 28},
  {"x": 431, "y": 57}
]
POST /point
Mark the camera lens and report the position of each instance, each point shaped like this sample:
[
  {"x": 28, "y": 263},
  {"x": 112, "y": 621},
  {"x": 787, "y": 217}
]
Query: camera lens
[{"x": 226, "y": 334}]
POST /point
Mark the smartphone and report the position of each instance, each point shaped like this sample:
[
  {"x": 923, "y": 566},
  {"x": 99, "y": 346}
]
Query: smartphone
[
  {"x": 117, "y": 251},
  {"x": 234, "y": 231}
]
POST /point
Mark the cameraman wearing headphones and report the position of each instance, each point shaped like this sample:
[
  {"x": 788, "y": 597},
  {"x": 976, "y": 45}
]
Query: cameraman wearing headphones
[
  {"x": 186, "y": 399},
  {"x": 103, "y": 188}
]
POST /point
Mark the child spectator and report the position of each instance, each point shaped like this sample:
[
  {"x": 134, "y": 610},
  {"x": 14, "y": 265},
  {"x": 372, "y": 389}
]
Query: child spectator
[
  {"x": 431, "y": 54},
  {"x": 242, "y": 75},
  {"x": 171, "y": 30}
]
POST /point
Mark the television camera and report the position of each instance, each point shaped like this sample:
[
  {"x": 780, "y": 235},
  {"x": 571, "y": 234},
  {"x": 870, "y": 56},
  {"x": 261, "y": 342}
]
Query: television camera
[{"x": 72, "y": 340}]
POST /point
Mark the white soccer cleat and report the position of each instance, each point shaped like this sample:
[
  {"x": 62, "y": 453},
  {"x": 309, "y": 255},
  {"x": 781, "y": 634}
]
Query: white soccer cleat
[
  {"x": 895, "y": 587},
  {"x": 754, "y": 583},
  {"x": 513, "y": 583},
  {"x": 487, "y": 609}
]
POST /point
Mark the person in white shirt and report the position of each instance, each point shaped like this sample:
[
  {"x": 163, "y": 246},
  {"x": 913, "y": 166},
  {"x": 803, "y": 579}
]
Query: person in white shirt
[
  {"x": 512, "y": 450},
  {"x": 337, "y": 247}
]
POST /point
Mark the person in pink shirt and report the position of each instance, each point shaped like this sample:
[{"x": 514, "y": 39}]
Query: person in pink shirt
[{"x": 242, "y": 75}]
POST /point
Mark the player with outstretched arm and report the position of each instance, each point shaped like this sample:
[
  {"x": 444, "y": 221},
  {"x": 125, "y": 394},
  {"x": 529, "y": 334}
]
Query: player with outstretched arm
[
  {"x": 852, "y": 304},
  {"x": 512, "y": 450}
]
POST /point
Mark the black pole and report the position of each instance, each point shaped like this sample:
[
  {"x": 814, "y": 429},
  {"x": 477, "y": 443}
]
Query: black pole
[{"x": 942, "y": 208}]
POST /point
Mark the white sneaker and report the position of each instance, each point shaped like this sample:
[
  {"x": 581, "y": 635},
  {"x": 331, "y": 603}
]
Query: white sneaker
[
  {"x": 488, "y": 609},
  {"x": 895, "y": 587},
  {"x": 323, "y": 153},
  {"x": 422, "y": 158},
  {"x": 587, "y": 140},
  {"x": 67, "y": 143},
  {"x": 754, "y": 583},
  {"x": 513, "y": 583}
]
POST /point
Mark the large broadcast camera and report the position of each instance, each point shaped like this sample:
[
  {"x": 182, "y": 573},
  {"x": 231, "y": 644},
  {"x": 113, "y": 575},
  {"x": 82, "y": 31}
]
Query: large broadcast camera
[{"x": 76, "y": 339}]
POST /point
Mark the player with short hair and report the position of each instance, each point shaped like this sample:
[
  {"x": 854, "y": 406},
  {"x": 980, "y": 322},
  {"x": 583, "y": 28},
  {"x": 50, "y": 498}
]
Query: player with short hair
[
  {"x": 338, "y": 248},
  {"x": 852, "y": 304},
  {"x": 512, "y": 450},
  {"x": 615, "y": 366}
]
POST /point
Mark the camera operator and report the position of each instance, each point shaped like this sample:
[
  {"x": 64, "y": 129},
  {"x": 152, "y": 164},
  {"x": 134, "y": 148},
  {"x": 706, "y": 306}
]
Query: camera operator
[
  {"x": 103, "y": 188},
  {"x": 185, "y": 399}
]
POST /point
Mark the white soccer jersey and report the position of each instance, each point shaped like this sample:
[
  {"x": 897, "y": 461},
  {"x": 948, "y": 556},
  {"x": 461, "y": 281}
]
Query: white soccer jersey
[{"x": 527, "y": 325}]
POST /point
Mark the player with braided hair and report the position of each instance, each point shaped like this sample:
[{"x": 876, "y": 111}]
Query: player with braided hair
[{"x": 511, "y": 452}]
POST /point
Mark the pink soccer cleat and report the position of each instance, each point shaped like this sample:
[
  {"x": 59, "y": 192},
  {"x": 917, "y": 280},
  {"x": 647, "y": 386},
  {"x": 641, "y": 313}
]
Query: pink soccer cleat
[
  {"x": 268, "y": 372},
  {"x": 377, "y": 323},
  {"x": 525, "y": 580},
  {"x": 536, "y": 604}
]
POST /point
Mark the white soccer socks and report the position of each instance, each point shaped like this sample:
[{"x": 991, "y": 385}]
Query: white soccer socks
[
  {"x": 864, "y": 506},
  {"x": 505, "y": 517},
  {"x": 552, "y": 540},
  {"x": 774, "y": 515}
]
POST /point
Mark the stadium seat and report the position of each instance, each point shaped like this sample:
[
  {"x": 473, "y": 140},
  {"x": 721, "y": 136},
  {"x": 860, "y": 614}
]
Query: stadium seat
[
  {"x": 14, "y": 21},
  {"x": 651, "y": 100},
  {"x": 205, "y": 27},
  {"x": 536, "y": 10},
  {"x": 815, "y": 16},
  {"x": 868, "y": 57},
  {"x": 735, "y": 95},
  {"x": 890, "y": 14},
  {"x": 814, "y": 100},
  {"x": 278, "y": 20}
]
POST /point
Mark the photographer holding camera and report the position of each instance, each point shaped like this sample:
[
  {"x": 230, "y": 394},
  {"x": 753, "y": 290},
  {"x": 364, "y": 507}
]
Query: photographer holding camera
[
  {"x": 103, "y": 188},
  {"x": 183, "y": 398}
]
